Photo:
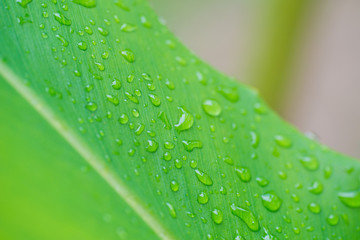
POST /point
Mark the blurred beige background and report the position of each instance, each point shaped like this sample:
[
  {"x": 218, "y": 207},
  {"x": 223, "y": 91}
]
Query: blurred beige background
[{"x": 322, "y": 70}]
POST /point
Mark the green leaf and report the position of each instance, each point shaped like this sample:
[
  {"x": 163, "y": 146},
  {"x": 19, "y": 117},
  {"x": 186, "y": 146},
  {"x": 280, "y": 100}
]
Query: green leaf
[{"x": 187, "y": 152}]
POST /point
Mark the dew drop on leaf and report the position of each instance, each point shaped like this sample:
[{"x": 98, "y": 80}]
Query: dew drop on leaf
[
  {"x": 350, "y": 199},
  {"x": 310, "y": 162},
  {"x": 203, "y": 178},
  {"x": 128, "y": 55},
  {"x": 230, "y": 94},
  {"x": 186, "y": 120},
  {"x": 202, "y": 198},
  {"x": 163, "y": 117},
  {"x": 332, "y": 219},
  {"x": 23, "y": 3},
  {"x": 151, "y": 146},
  {"x": 217, "y": 216},
  {"x": 314, "y": 208},
  {"x": 123, "y": 119},
  {"x": 154, "y": 99},
  {"x": 189, "y": 145},
  {"x": 85, "y": 3},
  {"x": 262, "y": 181},
  {"x": 62, "y": 19},
  {"x": 171, "y": 210},
  {"x": 174, "y": 186},
  {"x": 82, "y": 46},
  {"x": 243, "y": 173},
  {"x": 126, "y": 27},
  {"x": 116, "y": 84},
  {"x": 283, "y": 141},
  {"x": 316, "y": 187},
  {"x": 91, "y": 106},
  {"x": 211, "y": 107},
  {"x": 271, "y": 201},
  {"x": 246, "y": 216}
]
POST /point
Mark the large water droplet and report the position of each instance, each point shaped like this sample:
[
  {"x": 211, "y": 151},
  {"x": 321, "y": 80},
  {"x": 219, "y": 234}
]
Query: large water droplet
[
  {"x": 82, "y": 45},
  {"x": 171, "y": 210},
  {"x": 314, "y": 207},
  {"x": 128, "y": 55},
  {"x": 186, "y": 120},
  {"x": 310, "y": 162},
  {"x": 332, "y": 219},
  {"x": 202, "y": 198},
  {"x": 243, "y": 173},
  {"x": 155, "y": 99},
  {"x": 316, "y": 187},
  {"x": 246, "y": 216},
  {"x": 211, "y": 107},
  {"x": 151, "y": 146},
  {"x": 23, "y": 3},
  {"x": 350, "y": 199},
  {"x": 271, "y": 201},
  {"x": 283, "y": 141},
  {"x": 85, "y": 3},
  {"x": 203, "y": 178},
  {"x": 217, "y": 216},
  {"x": 62, "y": 19},
  {"x": 189, "y": 145}
]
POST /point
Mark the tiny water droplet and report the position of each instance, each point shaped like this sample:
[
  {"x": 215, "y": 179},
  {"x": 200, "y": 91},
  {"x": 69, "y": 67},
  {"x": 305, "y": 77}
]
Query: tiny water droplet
[
  {"x": 254, "y": 139},
  {"x": 126, "y": 27}
]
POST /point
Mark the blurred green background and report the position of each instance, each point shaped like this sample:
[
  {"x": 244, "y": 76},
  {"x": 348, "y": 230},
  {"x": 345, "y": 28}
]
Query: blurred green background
[{"x": 303, "y": 56}]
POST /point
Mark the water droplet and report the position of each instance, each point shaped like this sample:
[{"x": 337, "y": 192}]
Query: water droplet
[
  {"x": 243, "y": 173},
  {"x": 169, "y": 84},
  {"x": 283, "y": 141},
  {"x": 230, "y": 94},
  {"x": 246, "y": 216},
  {"x": 228, "y": 160},
  {"x": 202, "y": 198},
  {"x": 116, "y": 84},
  {"x": 23, "y": 3},
  {"x": 314, "y": 207},
  {"x": 126, "y": 27},
  {"x": 254, "y": 139},
  {"x": 211, "y": 107},
  {"x": 203, "y": 177},
  {"x": 171, "y": 210},
  {"x": 186, "y": 120},
  {"x": 189, "y": 145},
  {"x": 350, "y": 199},
  {"x": 85, "y": 3},
  {"x": 151, "y": 146},
  {"x": 145, "y": 22},
  {"x": 82, "y": 45},
  {"x": 309, "y": 162},
  {"x": 112, "y": 99},
  {"x": 123, "y": 119},
  {"x": 64, "y": 42},
  {"x": 178, "y": 163},
  {"x": 262, "y": 181},
  {"x": 316, "y": 187},
  {"x": 100, "y": 66},
  {"x": 62, "y": 19},
  {"x": 140, "y": 128},
  {"x": 332, "y": 219},
  {"x": 163, "y": 117},
  {"x": 169, "y": 145},
  {"x": 91, "y": 106},
  {"x": 271, "y": 201},
  {"x": 128, "y": 55},
  {"x": 120, "y": 4},
  {"x": 174, "y": 186},
  {"x": 155, "y": 99},
  {"x": 131, "y": 97},
  {"x": 103, "y": 31},
  {"x": 217, "y": 216},
  {"x": 259, "y": 108}
]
